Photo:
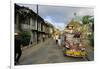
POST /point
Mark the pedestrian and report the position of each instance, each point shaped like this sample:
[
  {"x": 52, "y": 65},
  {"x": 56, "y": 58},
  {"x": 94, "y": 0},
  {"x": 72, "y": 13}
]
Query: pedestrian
[
  {"x": 56, "y": 37},
  {"x": 59, "y": 42},
  {"x": 18, "y": 50},
  {"x": 43, "y": 38}
]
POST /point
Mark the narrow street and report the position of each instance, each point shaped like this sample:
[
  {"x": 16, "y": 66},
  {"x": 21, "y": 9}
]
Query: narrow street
[
  {"x": 45, "y": 52},
  {"x": 72, "y": 30}
]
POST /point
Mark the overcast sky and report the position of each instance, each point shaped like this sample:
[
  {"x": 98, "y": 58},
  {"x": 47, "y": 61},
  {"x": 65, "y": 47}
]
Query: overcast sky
[{"x": 59, "y": 16}]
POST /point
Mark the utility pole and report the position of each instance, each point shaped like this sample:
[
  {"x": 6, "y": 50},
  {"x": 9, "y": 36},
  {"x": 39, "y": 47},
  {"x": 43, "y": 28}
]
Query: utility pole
[{"x": 37, "y": 22}]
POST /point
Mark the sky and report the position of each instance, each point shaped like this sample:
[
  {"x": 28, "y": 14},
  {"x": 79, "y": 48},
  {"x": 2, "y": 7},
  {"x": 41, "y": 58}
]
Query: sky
[{"x": 59, "y": 16}]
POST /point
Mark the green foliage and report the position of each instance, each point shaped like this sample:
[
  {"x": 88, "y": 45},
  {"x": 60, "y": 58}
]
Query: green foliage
[
  {"x": 25, "y": 38},
  {"x": 92, "y": 21},
  {"x": 85, "y": 19},
  {"x": 85, "y": 28},
  {"x": 91, "y": 38}
]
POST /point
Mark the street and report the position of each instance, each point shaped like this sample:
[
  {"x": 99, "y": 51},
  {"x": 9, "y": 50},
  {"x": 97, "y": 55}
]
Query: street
[
  {"x": 46, "y": 52},
  {"x": 39, "y": 32}
]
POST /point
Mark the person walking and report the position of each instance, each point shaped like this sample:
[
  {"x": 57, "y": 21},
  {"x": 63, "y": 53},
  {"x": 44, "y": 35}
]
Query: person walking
[
  {"x": 56, "y": 38},
  {"x": 18, "y": 50},
  {"x": 59, "y": 42},
  {"x": 43, "y": 37}
]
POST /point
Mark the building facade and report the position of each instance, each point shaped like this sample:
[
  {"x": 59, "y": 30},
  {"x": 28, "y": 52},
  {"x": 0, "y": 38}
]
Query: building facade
[{"x": 27, "y": 20}]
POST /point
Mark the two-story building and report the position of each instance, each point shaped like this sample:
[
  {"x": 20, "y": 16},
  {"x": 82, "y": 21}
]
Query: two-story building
[{"x": 27, "y": 20}]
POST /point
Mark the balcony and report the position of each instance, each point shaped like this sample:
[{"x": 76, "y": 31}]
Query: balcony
[{"x": 25, "y": 27}]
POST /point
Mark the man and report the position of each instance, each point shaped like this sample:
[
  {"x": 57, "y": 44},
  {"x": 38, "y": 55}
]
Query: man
[
  {"x": 43, "y": 38},
  {"x": 56, "y": 37},
  {"x": 18, "y": 50},
  {"x": 59, "y": 42}
]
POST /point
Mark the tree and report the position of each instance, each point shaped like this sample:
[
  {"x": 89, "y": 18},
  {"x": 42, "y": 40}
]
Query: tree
[
  {"x": 25, "y": 37},
  {"x": 92, "y": 21},
  {"x": 85, "y": 19}
]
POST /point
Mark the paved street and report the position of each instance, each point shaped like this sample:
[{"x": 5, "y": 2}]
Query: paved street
[
  {"x": 46, "y": 52},
  {"x": 75, "y": 33}
]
